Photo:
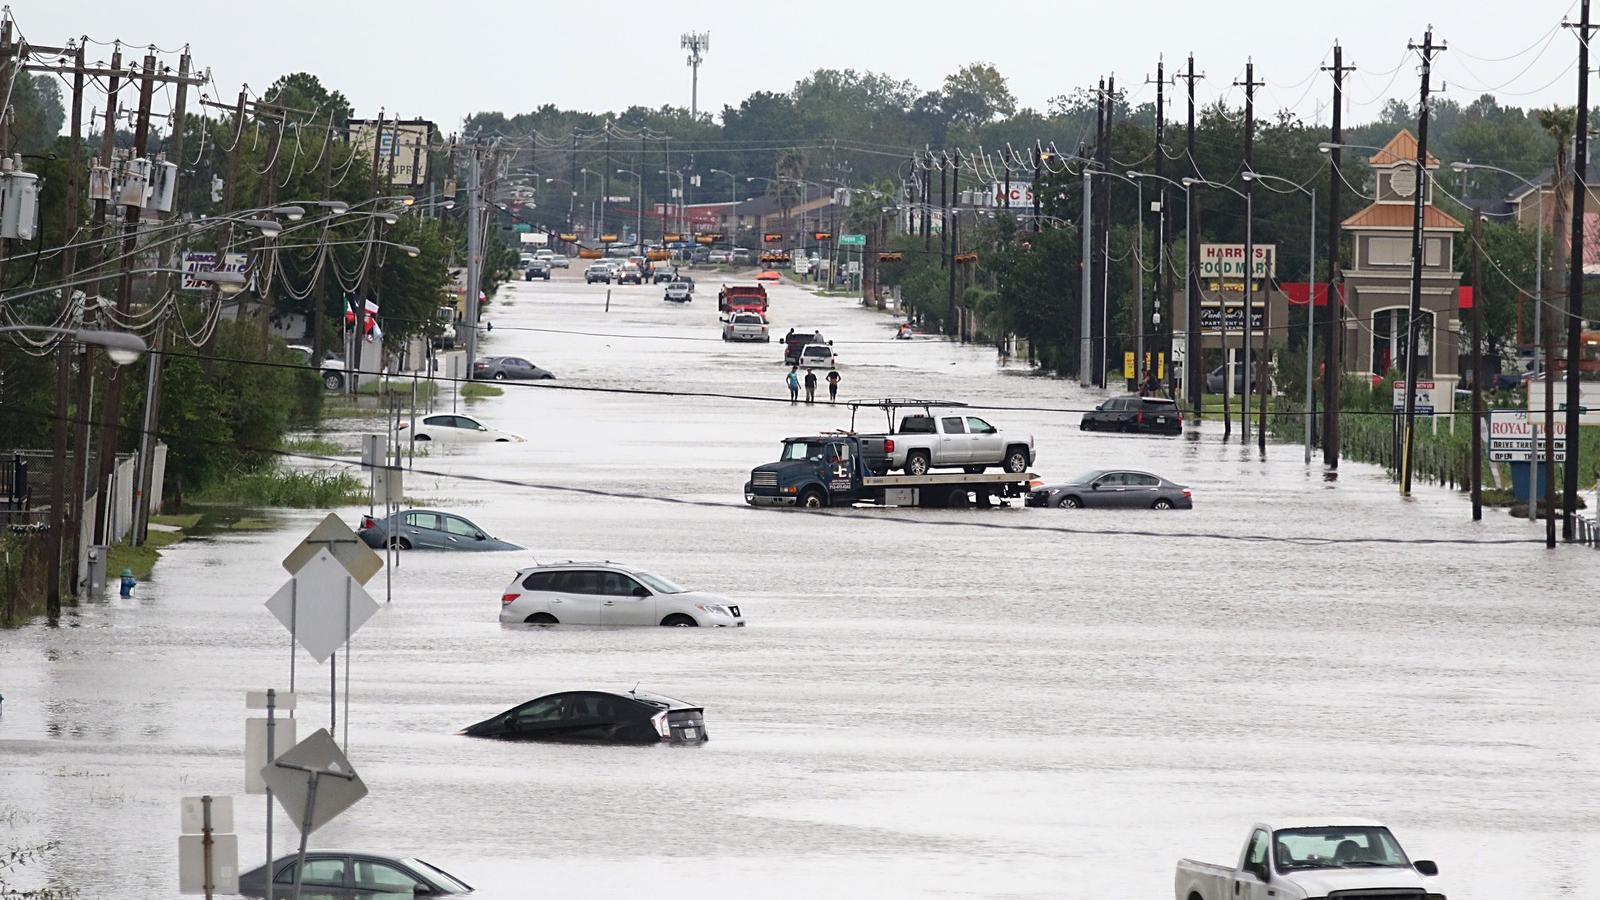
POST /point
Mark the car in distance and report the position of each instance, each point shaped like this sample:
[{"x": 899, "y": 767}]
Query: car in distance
[
  {"x": 557, "y": 261},
  {"x": 745, "y": 326},
  {"x": 332, "y": 370},
  {"x": 539, "y": 268},
  {"x": 451, "y": 427},
  {"x": 718, "y": 257},
  {"x": 741, "y": 256},
  {"x": 609, "y": 593},
  {"x": 1214, "y": 380},
  {"x": 795, "y": 341},
  {"x": 818, "y": 356},
  {"x": 678, "y": 292},
  {"x": 598, "y": 717},
  {"x": 597, "y": 272},
  {"x": 428, "y": 529},
  {"x": 1334, "y": 858},
  {"x": 630, "y": 274},
  {"x": 1113, "y": 489},
  {"x": 1144, "y": 415},
  {"x": 499, "y": 368},
  {"x": 662, "y": 274},
  {"x": 353, "y": 874}
]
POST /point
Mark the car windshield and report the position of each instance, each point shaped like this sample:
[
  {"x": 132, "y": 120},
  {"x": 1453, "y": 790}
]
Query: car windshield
[
  {"x": 802, "y": 450},
  {"x": 438, "y": 875},
  {"x": 658, "y": 584},
  {"x": 1087, "y": 477},
  {"x": 1336, "y": 848}
]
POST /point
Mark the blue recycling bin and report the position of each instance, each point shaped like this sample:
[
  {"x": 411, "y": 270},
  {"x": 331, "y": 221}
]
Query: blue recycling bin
[{"x": 1525, "y": 473}]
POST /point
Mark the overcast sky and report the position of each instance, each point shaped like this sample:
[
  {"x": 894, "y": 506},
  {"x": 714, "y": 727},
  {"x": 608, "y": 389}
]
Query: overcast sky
[{"x": 442, "y": 61}]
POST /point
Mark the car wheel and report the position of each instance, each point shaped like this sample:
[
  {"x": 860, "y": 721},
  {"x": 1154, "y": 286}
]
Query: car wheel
[
  {"x": 679, "y": 620},
  {"x": 422, "y": 437},
  {"x": 917, "y": 464},
  {"x": 499, "y": 376},
  {"x": 1069, "y": 502},
  {"x": 541, "y": 619},
  {"x": 1162, "y": 503},
  {"x": 400, "y": 543},
  {"x": 813, "y": 498},
  {"x": 1017, "y": 461},
  {"x": 957, "y": 499},
  {"x": 332, "y": 382}
]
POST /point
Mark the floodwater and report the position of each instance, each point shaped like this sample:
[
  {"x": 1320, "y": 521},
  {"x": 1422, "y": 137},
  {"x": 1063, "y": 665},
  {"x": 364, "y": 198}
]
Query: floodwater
[{"x": 1005, "y": 703}]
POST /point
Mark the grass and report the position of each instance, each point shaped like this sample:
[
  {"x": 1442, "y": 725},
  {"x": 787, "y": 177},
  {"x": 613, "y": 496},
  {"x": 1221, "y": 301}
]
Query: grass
[
  {"x": 142, "y": 559},
  {"x": 373, "y": 387},
  {"x": 311, "y": 445},
  {"x": 185, "y": 521},
  {"x": 474, "y": 391},
  {"x": 295, "y": 488}
]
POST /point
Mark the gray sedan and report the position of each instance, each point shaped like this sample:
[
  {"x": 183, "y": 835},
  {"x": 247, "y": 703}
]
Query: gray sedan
[
  {"x": 428, "y": 529},
  {"x": 1113, "y": 489},
  {"x": 500, "y": 368},
  {"x": 343, "y": 873}
]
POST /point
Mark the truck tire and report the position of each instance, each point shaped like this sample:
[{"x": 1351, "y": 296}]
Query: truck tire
[
  {"x": 918, "y": 463},
  {"x": 1017, "y": 460},
  {"x": 957, "y": 499},
  {"x": 812, "y": 498}
]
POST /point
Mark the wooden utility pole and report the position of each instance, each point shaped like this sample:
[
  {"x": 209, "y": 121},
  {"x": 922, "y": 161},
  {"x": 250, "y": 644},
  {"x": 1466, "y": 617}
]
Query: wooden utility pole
[
  {"x": 86, "y": 365},
  {"x": 1414, "y": 324},
  {"x": 269, "y": 199},
  {"x": 1477, "y": 363},
  {"x": 1162, "y": 282},
  {"x": 61, "y": 516},
  {"x": 319, "y": 303},
  {"x": 1580, "y": 191},
  {"x": 1194, "y": 368},
  {"x": 1252, "y": 364},
  {"x": 1333, "y": 324}
]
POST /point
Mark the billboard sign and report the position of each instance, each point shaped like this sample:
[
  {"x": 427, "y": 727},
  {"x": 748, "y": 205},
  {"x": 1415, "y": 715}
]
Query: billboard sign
[
  {"x": 405, "y": 141},
  {"x": 1515, "y": 437},
  {"x": 1425, "y": 398},
  {"x": 206, "y": 261},
  {"x": 1223, "y": 262},
  {"x": 1211, "y": 317}
]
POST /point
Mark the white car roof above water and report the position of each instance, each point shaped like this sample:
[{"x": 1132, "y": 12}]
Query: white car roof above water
[{"x": 1326, "y": 822}]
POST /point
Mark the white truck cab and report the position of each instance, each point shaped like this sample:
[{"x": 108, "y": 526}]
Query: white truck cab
[{"x": 1312, "y": 860}]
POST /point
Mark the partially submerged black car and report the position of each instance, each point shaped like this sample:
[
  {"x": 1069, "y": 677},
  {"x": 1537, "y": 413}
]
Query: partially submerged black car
[{"x": 598, "y": 717}]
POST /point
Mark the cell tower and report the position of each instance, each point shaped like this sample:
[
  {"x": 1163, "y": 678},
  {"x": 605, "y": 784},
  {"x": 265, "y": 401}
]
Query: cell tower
[{"x": 697, "y": 43}]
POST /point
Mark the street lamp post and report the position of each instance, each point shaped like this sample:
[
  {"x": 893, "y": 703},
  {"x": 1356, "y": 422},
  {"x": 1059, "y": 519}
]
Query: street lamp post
[
  {"x": 733, "y": 197},
  {"x": 1193, "y": 339},
  {"x": 1311, "y": 295},
  {"x": 1249, "y": 303},
  {"x": 638, "y": 207}
]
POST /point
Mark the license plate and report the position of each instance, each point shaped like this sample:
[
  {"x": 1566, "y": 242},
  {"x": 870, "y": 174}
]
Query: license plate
[
  {"x": 1161, "y": 420},
  {"x": 690, "y": 734},
  {"x": 734, "y": 610}
]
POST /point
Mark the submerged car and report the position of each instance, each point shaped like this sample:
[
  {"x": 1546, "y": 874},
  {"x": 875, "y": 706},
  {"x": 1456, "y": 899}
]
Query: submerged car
[
  {"x": 607, "y": 593},
  {"x": 1113, "y": 489},
  {"x": 428, "y": 529},
  {"x": 745, "y": 326},
  {"x": 500, "y": 368},
  {"x": 451, "y": 427},
  {"x": 600, "y": 717},
  {"x": 1143, "y": 415},
  {"x": 597, "y": 272},
  {"x": 347, "y": 873},
  {"x": 678, "y": 292}
]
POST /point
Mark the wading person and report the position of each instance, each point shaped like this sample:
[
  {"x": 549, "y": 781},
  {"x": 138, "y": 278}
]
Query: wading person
[
  {"x": 794, "y": 385},
  {"x": 811, "y": 387},
  {"x": 833, "y": 385}
]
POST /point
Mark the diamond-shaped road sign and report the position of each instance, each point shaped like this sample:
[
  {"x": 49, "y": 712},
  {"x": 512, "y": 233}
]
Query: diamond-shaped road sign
[
  {"x": 322, "y": 605},
  {"x": 290, "y": 775},
  {"x": 333, "y": 535}
]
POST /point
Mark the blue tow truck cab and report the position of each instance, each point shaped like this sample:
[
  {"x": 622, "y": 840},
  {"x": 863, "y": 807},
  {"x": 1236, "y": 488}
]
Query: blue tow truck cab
[{"x": 837, "y": 470}]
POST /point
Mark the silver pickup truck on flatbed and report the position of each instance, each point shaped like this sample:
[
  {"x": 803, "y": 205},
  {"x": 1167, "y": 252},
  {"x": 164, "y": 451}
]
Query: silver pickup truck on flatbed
[{"x": 938, "y": 434}]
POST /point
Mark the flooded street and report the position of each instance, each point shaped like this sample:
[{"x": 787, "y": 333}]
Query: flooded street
[{"x": 1004, "y": 703}]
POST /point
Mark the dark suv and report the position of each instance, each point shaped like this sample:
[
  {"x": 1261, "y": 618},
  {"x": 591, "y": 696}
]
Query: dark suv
[
  {"x": 795, "y": 342},
  {"x": 1151, "y": 415}
]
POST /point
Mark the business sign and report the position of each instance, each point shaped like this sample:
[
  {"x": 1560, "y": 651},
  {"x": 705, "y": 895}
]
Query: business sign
[
  {"x": 1021, "y": 194},
  {"x": 772, "y": 238},
  {"x": 1588, "y": 400},
  {"x": 206, "y": 261},
  {"x": 852, "y": 240},
  {"x": 1424, "y": 393},
  {"x": 1514, "y": 436},
  {"x": 1226, "y": 261},
  {"x": 404, "y": 141},
  {"x": 534, "y": 237},
  {"x": 1211, "y": 321}
]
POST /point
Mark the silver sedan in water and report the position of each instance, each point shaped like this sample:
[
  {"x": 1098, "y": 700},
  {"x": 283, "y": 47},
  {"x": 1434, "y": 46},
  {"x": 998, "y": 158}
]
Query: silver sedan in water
[{"x": 1113, "y": 489}]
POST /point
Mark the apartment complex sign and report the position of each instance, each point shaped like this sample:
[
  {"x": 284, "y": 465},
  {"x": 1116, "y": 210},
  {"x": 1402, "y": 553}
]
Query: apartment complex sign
[
  {"x": 403, "y": 141},
  {"x": 1225, "y": 262}
]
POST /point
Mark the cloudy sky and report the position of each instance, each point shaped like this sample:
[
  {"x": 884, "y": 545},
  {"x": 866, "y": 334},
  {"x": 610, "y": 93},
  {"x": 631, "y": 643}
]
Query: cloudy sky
[{"x": 444, "y": 60}]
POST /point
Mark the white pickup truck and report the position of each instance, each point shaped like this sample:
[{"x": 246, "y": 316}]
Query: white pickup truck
[
  {"x": 1332, "y": 859},
  {"x": 941, "y": 436}
]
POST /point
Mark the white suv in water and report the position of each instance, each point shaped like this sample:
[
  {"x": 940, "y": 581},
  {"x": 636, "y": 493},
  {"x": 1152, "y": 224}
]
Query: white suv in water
[{"x": 606, "y": 593}]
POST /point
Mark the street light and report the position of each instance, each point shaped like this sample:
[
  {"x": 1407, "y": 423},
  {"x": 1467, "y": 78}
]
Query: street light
[
  {"x": 1249, "y": 302},
  {"x": 1311, "y": 291},
  {"x": 121, "y": 347},
  {"x": 638, "y": 207}
]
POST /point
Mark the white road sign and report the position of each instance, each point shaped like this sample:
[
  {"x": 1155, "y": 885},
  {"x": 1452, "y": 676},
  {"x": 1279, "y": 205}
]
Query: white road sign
[
  {"x": 224, "y": 864},
  {"x": 1425, "y": 399},
  {"x": 333, "y": 535},
  {"x": 337, "y": 790},
  {"x": 322, "y": 605}
]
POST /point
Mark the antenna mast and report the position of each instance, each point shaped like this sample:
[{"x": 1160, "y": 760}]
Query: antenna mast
[{"x": 697, "y": 43}]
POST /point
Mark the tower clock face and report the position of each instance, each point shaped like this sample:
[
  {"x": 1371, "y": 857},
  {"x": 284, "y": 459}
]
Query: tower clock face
[{"x": 1404, "y": 181}]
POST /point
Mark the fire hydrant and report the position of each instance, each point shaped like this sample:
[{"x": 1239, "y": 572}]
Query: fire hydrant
[{"x": 128, "y": 582}]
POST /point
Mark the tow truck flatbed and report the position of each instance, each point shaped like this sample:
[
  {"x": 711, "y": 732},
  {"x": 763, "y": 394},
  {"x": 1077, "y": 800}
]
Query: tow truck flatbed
[{"x": 903, "y": 481}]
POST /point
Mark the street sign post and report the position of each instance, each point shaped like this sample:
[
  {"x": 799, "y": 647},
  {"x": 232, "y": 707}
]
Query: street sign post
[
  {"x": 322, "y": 605},
  {"x": 208, "y": 851},
  {"x": 314, "y": 782},
  {"x": 333, "y": 535},
  {"x": 852, "y": 240}
]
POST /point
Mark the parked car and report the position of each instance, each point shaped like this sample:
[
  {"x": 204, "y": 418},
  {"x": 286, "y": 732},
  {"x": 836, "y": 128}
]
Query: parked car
[
  {"x": 741, "y": 256},
  {"x": 557, "y": 261},
  {"x": 353, "y": 874},
  {"x": 598, "y": 717},
  {"x": 717, "y": 257},
  {"x": 795, "y": 341},
  {"x": 945, "y": 438},
  {"x": 428, "y": 529},
  {"x": 1113, "y": 489},
  {"x": 609, "y": 594},
  {"x": 499, "y": 368},
  {"x": 451, "y": 427},
  {"x": 1214, "y": 380},
  {"x": 1148, "y": 415},
  {"x": 332, "y": 370},
  {"x": 818, "y": 356},
  {"x": 745, "y": 326},
  {"x": 1319, "y": 858},
  {"x": 539, "y": 268},
  {"x": 678, "y": 292},
  {"x": 597, "y": 272}
]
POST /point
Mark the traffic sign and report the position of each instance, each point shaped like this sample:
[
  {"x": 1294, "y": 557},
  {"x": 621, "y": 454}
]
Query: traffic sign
[
  {"x": 852, "y": 240},
  {"x": 319, "y": 759},
  {"x": 322, "y": 605},
  {"x": 333, "y": 535}
]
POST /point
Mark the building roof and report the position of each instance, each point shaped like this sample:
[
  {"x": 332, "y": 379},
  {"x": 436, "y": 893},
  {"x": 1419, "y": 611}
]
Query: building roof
[
  {"x": 1395, "y": 215},
  {"x": 1402, "y": 148}
]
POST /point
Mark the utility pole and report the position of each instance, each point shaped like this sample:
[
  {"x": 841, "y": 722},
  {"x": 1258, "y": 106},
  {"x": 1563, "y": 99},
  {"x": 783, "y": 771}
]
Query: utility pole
[
  {"x": 1250, "y": 84},
  {"x": 86, "y": 367},
  {"x": 1101, "y": 346},
  {"x": 1477, "y": 361},
  {"x": 1580, "y": 191},
  {"x": 952, "y": 320},
  {"x": 352, "y": 365},
  {"x": 605, "y": 184},
  {"x": 1414, "y": 323},
  {"x": 59, "y": 515},
  {"x": 111, "y": 405},
  {"x": 927, "y": 200},
  {"x": 1162, "y": 283},
  {"x": 269, "y": 199},
  {"x": 474, "y": 249},
  {"x": 1036, "y": 222},
  {"x": 1333, "y": 330},
  {"x": 1086, "y": 289},
  {"x": 1194, "y": 372}
]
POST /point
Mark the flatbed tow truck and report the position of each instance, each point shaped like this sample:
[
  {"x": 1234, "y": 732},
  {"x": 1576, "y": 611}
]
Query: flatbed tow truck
[{"x": 839, "y": 468}]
